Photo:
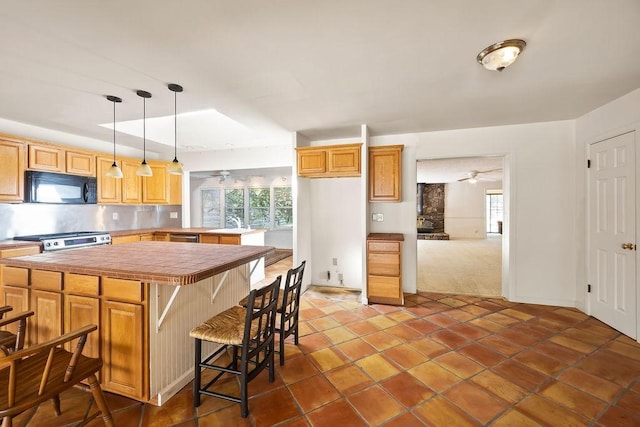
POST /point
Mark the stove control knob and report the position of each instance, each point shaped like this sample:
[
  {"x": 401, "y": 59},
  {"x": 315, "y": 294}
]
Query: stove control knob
[
  {"x": 55, "y": 243},
  {"x": 47, "y": 244}
]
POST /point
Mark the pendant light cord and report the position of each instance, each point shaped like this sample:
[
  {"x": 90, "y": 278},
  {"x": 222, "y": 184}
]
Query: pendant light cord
[
  {"x": 114, "y": 132},
  {"x": 175, "y": 125},
  {"x": 144, "y": 130}
]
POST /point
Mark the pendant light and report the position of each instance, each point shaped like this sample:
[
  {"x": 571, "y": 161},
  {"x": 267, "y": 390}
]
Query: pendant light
[
  {"x": 175, "y": 168},
  {"x": 144, "y": 169},
  {"x": 114, "y": 171}
]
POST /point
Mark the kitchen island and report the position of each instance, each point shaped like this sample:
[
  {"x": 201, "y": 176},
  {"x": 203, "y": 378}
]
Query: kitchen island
[{"x": 145, "y": 297}]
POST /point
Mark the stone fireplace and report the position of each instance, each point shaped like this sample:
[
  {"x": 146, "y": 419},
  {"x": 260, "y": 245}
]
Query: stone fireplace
[{"x": 430, "y": 212}]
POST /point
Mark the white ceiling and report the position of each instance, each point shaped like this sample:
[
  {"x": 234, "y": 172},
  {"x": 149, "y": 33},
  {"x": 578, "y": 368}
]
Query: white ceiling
[
  {"x": 319, "y": 67},
  {"x": 452, "y": 170}
]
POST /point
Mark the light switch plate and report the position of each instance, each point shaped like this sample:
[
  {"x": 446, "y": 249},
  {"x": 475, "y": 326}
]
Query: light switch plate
[
  {"x": 378, "y": 217},
  {"x": 173, "y": 215}
]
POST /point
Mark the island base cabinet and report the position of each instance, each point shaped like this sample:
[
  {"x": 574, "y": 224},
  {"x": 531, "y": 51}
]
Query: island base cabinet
[
  {"x": 46, "y": 323},
  {"x": 81, "y": 311},
  {"x": 124, "y": 351}
]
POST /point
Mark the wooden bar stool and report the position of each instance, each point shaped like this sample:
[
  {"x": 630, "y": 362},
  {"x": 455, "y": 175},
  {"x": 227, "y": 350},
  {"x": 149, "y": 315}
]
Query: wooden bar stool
[
  {"x": 288, "y": 307},
  {"x": 247, "y": 331}
]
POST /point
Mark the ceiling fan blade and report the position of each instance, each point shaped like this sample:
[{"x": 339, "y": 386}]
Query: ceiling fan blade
[
  {"x": 463, "y": 179},
  {"x": 491, "y": 170}
]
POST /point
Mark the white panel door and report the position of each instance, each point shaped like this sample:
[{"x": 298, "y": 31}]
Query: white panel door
[{"x": 612, "y": 231}]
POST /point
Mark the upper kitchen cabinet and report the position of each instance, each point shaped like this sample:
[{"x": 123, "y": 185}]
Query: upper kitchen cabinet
[
  {"x": 385, "y": 173},
  {"x": 331, "y": 161},
  {"x": 53, "y": 158},
  {"x": 160, "y": 188},
  {"x": 109, "y": 189},
  {"x": 155, "y": 188},
  {"x": 80, "y": 163},
  {"x": 47, "y": 158},
  {"x": 12, "y": 159}
]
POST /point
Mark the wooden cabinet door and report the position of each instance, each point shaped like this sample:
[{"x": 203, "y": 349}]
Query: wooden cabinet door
[
  {"x": 80, "y": 163},
  {"x": 385, "y": 173},
  {"x": 80, "y": 311},
  {"x": 209, "y": 238},
  {"x": 116, "y": 240},
  {"x": 155, "y": 188},
  {"x": 109, "y": 189},
  {"x": 131, "y": 183},
  {"x": 175, "y": 189},
  {"x": 45, "y": 158},
  {"x": 12, "y": 159},
  {"x": 312, "y": 161},
  {"x": 18, "y": 298},
  {"x": 47, "y": 320},
  {"x": 229, "y": 240},
  {"x": 344, "y": 160},
  {"x": 123, "y": 352}
]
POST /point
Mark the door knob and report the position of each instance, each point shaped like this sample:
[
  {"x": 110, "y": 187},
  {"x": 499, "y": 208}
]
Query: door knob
[{"x": 629, "y": 246}]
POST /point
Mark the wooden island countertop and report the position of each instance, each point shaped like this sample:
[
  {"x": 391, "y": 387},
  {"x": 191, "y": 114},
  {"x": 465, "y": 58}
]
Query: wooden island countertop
[{"x": 168, "y": 263}]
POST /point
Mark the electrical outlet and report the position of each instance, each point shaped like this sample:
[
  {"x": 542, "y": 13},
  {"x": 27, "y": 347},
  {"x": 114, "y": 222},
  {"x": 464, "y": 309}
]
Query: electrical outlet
[
  {"x": 173, "y": 215},
  {"x": 335, "y": 261},
  {"x": 340, "y": 277},
  {"x": 114, "y": 216},
  {"x": 378, "y": 217}
]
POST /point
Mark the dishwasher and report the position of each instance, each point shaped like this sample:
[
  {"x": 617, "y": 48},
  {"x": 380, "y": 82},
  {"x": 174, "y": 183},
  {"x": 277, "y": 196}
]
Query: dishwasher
[{"x": 188, "y": 238}]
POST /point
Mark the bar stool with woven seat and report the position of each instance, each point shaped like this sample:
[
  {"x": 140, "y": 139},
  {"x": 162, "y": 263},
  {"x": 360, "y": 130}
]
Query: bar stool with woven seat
[
  {"x": 247, "y": 331},
  {"x": 288, "y": 307}
]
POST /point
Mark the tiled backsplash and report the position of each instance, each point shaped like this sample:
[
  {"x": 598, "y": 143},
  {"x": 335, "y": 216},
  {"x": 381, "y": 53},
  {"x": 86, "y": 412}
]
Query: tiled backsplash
[{"x": 33, "y": 218}]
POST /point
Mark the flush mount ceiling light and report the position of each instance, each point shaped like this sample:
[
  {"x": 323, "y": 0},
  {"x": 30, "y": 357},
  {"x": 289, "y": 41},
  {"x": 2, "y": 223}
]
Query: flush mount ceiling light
[
  {"x": 114, "y": 171},
  {"x": 175, "y": 168},
  {"x": 144, "y": 169},
  {"x": 499, "y": 56}
]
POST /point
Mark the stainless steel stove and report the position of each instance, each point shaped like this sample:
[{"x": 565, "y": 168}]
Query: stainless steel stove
[{"x": 60, "y": 241}]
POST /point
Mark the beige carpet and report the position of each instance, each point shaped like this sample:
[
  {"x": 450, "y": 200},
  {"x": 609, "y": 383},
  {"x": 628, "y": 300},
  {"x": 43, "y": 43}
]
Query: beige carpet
[{"x": 470, "y": 267}]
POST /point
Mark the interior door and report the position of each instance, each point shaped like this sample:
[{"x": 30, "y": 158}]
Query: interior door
[{"x": 612, "y": 231}]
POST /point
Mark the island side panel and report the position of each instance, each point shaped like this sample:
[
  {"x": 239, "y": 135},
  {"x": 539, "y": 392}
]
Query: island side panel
[
  {"x": 255, "y": 239},
  {"x": 171, "y": 349}
]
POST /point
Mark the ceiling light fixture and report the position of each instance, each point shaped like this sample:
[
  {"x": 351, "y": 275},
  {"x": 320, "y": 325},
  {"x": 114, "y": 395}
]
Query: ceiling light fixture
[
  {"x": 175, "y": 168},
  {"x": 144, "y": 169},
  {"x": 499, "y": 56},
  {"x": 114, "y": 171}
]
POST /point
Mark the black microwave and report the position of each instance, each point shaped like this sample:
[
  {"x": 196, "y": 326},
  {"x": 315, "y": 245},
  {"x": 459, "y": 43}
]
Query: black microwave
[{"x": 48, "y": 187}]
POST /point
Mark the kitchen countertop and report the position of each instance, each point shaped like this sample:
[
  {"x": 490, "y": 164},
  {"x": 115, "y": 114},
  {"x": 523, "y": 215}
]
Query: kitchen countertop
[
  {"x": 10, "y": 243},
  {"x": 386, "y": 236},
  {"x": 171, "y": 263}
]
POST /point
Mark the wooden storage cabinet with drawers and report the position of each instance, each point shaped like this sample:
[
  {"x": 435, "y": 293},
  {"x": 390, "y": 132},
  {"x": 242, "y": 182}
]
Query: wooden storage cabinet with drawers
[{"x": 384, "y": 268}]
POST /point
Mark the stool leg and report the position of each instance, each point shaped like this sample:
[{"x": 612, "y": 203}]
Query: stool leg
[
  {"x": 244, "y": 390},
  {"x": 197, "y": 374},
  {"x": 98, "y": 396}
]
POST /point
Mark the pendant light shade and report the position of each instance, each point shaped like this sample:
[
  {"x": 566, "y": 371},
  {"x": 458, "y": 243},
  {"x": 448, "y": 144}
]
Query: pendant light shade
[
  {"x": 114, "y": 171},
  {"x": 144, "y": 169},
  {"x": 175, "y": 168}
]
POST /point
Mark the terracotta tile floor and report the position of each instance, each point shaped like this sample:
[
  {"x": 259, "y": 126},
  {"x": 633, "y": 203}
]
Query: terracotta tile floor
[{"x": 441, "y": 360}]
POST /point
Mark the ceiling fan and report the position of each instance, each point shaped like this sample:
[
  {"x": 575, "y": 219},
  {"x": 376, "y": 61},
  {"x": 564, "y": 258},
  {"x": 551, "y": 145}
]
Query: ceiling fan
[{"x": 474, "y": 176}]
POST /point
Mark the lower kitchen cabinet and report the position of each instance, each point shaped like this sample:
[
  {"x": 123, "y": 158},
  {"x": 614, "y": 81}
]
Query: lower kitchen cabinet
[
  {"x": 46, "y": 323},
  {"x": 124, "y": 350},
  {"x": 384, "y": 268}
]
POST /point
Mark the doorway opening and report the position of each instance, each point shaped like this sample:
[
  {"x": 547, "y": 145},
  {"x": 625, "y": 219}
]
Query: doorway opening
[{"x": 471, "y": 261}]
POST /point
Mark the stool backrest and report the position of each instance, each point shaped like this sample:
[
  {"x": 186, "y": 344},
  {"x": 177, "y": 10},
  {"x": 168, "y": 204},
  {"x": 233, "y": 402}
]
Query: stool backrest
[
  {"x": 259, "y": 324},
  {"x": 291, "y": 296}
]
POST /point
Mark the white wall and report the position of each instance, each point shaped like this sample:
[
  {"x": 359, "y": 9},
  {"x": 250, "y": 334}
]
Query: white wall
[
  {"x": 539, "y": 183},
  {"x": 619, "y": 116},
  {"x": 465, "y": 209}
]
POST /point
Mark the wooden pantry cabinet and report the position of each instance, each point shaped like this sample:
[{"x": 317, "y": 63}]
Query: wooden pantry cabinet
[
  {"x": 332, "y": 161},
  {"x": 384, "y": 268},
  {"x": 12, "y": 159},
  {"x": 385, "y": 173}
]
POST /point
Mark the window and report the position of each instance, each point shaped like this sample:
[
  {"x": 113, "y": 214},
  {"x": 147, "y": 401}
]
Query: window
[
  {"x": 494, "y": 213},
  {"x": 211, "y": 208},
  {"x": 233, "y": 206},
  {"x": 283, "y": 206},
  {"x": 259, "y": 207}
]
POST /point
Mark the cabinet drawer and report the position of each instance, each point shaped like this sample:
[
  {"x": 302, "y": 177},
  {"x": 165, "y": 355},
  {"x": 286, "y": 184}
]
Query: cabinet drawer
[
  {"x": 384, "y": 287},
  {"x": 46, "y": 280},
  {"x": 384, "y": 246},
  {"x": 122, "y": 289},
  {"x": 208, "y": 238},
  {"x": 82, "y": 284},
  {"x": 15, "y": 276},
  {"x": 387, "y": 264},
  {"x": 229, "y": 240}
]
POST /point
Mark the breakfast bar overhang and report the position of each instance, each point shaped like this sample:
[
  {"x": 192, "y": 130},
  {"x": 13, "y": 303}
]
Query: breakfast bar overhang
[{"x": 145, "y": 297}]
